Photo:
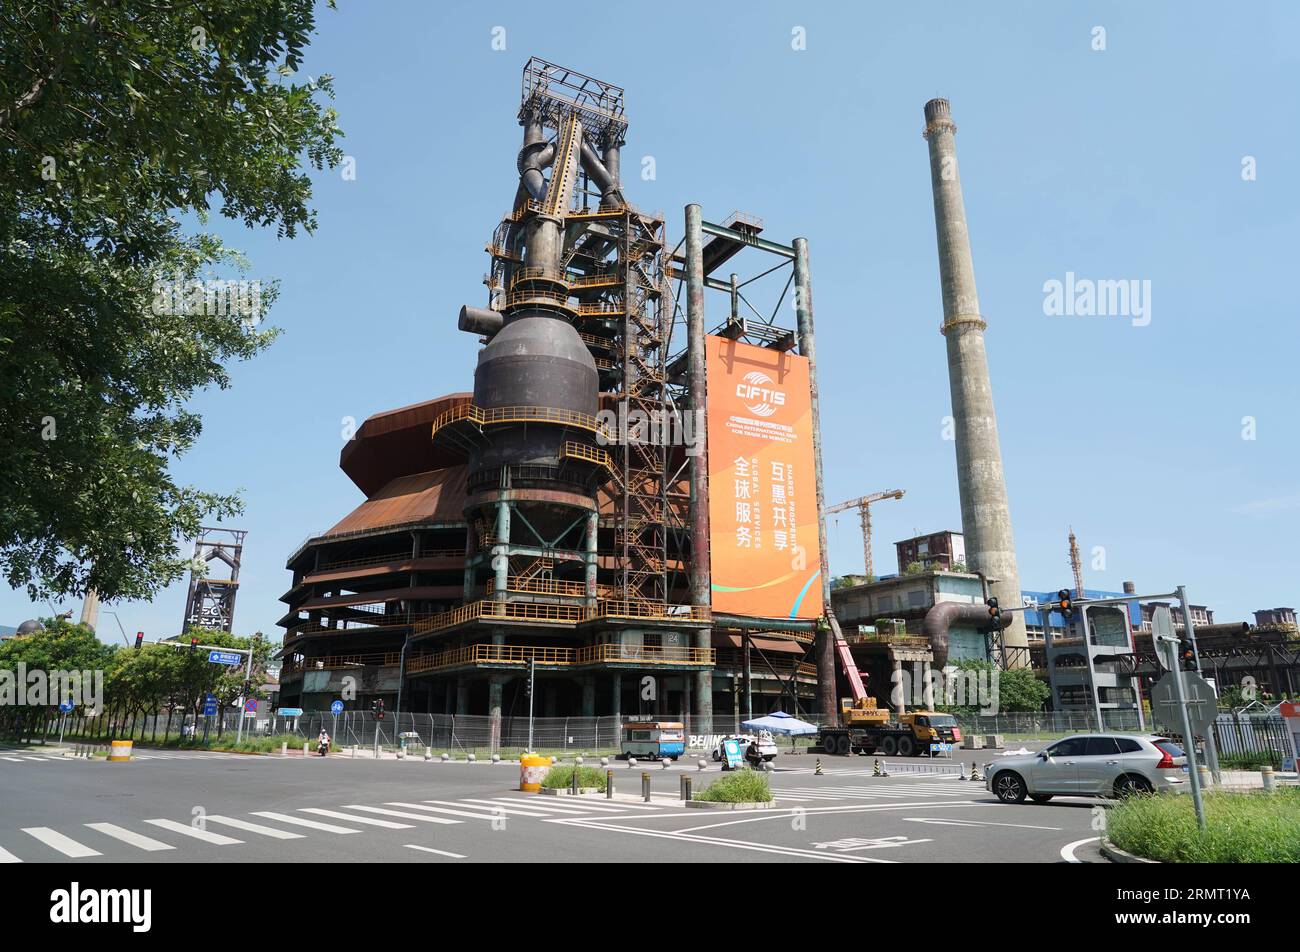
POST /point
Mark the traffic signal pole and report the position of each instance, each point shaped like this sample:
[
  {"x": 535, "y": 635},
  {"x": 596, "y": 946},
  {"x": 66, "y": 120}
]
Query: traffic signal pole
[{"x": 1211, "y": 751}]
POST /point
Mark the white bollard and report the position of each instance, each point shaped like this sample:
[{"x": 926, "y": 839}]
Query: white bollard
[
  {"x": 496, "y": 758},
  {"x": 428, "y": 754},
  {"x": 354, "y": 751},
  {"x": 664, "y": 762},
  {"x": 631, "y": 761},
  {"x": 445, "y": 757},
  {"x": 578, "y": 760},
  {"x": 284, "y": 748},
  {"x": 555, "y": 760},
  {"x": 703, "y": 763},
  {"x": 304, "y": 750},
  {"x": 604, "y": 761},
  {"x": 1266, "y": 775},
  {"x": 471, "y": 758}
]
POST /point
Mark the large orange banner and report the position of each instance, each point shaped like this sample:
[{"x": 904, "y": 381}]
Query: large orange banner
[{"x": 762, "y": 491}]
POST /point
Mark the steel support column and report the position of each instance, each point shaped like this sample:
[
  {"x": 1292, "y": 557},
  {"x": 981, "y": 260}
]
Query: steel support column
[{"x": 700, "y": 577}]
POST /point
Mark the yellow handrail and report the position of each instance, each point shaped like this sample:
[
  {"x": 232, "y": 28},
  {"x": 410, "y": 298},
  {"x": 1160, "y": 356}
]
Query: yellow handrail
[{"x": 497, "y": 415}]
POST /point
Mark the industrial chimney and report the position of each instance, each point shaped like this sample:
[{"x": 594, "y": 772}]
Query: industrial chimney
[{"x": 985, "y": 517}]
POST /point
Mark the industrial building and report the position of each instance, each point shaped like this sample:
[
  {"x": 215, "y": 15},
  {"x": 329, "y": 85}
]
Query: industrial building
[
  {"x": 943, "y": 551},
  {"x": 521, "y": 527}
]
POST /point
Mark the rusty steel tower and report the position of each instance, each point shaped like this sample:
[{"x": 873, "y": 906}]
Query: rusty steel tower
[{"x": 211, "y": 601}]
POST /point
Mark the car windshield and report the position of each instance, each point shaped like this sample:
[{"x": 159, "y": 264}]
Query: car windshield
[{"x": 942, "y": 720}]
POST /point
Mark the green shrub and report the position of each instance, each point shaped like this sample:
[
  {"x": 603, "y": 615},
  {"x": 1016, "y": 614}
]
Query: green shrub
[
  {"x": 1240, "y": 828},
  {"x": 741, "y": 786},
  {"x": 560, "y": 777}
]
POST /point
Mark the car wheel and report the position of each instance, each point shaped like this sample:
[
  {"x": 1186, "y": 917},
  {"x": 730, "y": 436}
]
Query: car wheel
[
  {"x": 843, "y": 746},
  {"x": 1040, "y": 797},
  {"x": 1131, "y": 786},
  {"x": 906, "y": 748},
  {"x": 1009, "y": 787},
  {"x": 889, "y": 746}
]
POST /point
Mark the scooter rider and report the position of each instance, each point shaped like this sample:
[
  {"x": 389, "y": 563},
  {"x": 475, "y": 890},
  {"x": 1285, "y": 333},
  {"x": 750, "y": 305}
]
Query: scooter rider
[{"x": 323, "y": 742}]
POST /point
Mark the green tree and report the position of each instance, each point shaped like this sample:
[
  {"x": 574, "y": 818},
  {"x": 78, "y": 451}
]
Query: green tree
[
  {"x": 116, "y": 120},
  {"x": 61, "y": 646},
  {"x": 1018, "y": 688}
]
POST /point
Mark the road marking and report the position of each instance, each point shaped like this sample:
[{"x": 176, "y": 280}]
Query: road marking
[
  {"x": 254, "y": 828},
  {"x": 8, "y": 857},
  {"x": 448, "y": 810},
  {"x": 399, "y": 813},
  {"x": 38, "y": 760},
  {"x": 1067, "y": 851},
  {"x": 351, "y": 818},
  {"x": 568, "y": 808},
  {"x": 430, "y": 849},
  {"x": 56, "y": 840},
  {"x": 488, "y": 805},
  {"x": 216, "y": 839},
  {"x": 733, "y": 844},
  {"x": 945, "y": 822},
  {"x": 138, "y": 840},
  {"x": 300, "y": 821},
  {"x": 786, "y": 814},
  {"x": 16, "y": 760}
]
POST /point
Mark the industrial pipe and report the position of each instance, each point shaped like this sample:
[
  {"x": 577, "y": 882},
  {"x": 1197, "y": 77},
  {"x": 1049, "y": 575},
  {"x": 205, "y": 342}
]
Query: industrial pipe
[
  {"x": 595, "y": 168},
  {"x": 937, "y": 621},
  {"x": 479, "y": 320}
]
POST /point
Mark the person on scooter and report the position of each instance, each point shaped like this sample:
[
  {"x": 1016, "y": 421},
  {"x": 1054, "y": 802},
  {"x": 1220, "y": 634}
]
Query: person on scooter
[{"x": 323, "y": 742}]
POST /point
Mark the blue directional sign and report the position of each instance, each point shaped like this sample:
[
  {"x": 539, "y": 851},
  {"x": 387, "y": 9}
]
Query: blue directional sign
[
  {"x": 224, "y": 657},
  {"x": 336, "y": 707},
  {"x": 65, "y": 706},
  {"x": 290, "y": 712},
  {"x": 209, "y": 706}
]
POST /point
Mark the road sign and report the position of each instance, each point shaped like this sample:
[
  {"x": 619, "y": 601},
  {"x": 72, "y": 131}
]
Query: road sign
[
  {"x": 209, "y": 706},
  {"x": 1162, "y": 635},
  {"x": 336, "y": 708},
  {"x": 1202, "y": 705},
  {"x": 224, "y": 657},
  {"x": 65, "y": 706},
  {"x": 733, "y": 754},
  {"x": 250, "y": 706},
  {"x": 290, "y": 712}
]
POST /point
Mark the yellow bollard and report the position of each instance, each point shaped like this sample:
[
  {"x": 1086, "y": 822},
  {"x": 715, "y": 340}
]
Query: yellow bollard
[{"x": 120, "y": 752}]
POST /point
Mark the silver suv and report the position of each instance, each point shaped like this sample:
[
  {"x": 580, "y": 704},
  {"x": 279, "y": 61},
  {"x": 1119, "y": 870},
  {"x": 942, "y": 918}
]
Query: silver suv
[{"x": 1090, "y": 765}]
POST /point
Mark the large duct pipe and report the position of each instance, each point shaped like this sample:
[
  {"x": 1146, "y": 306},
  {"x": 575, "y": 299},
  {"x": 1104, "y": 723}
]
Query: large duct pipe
[
  {"x": 536, "y": 155},
  {"x": 943, "y": 615},
  {"x": 605, "y": 179},
  {"x": 479, "y": 320},
  {"x": 985, "y": 516}
]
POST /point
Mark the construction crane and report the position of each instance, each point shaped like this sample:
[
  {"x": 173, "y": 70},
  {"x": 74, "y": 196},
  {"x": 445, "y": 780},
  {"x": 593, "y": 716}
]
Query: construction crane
[
  {"x": 1076, "y": 564},
  {"x": 863, "y": 505}
]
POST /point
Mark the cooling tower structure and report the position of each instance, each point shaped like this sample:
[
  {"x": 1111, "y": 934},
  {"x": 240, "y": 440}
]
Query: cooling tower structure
[{"x": 985, "y": 516}]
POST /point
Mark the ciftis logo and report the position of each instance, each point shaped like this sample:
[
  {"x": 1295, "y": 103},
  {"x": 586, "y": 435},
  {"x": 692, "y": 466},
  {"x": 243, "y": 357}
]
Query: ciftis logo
[
  {"x": 75, "y": 905},
  {"x": 756, "y": 385}
]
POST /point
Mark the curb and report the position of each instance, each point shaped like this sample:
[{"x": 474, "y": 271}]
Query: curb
[
  {"x": 1117, "y": 855},
  {"x": 711, "y": 805}
]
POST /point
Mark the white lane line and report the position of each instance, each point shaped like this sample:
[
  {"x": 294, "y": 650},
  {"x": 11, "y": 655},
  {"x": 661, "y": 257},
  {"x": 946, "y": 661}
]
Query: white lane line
[
  {"x": 735, "y": 844},
  {"x": 57, "y": 841},
  {"x": 254, "y": 828},
  {"x": 940, "y": 821},
  {"x": 488, "y": 806},
  {"x": 138, "y": 840},
  {"x": 1067, "y": 851},
  {"x": 15, "y": 760},
  {"x": 605, "y": 806},
  {"x": 216, "y": 839},
  {"x": 873, "y": 808},
  {"x": 352, "y": 818},
  {"x": 405, "y": 815},
  {"x": 299, "y": 821},
  {"x": 37, "y": 760},
  {"x": 8, "y": 857},
  {"x": 448, "y": 810},
  {"x": 430, "y": 849}
]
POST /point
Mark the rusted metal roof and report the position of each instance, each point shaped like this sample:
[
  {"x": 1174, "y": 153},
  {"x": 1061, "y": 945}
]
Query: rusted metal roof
[
  {"x": 437, "y": 496},
  {"x": 399, "y": 443}
]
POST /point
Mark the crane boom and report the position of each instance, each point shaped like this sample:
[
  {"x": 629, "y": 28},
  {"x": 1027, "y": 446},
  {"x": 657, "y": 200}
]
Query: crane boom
[{"x": 863, "y": 505}]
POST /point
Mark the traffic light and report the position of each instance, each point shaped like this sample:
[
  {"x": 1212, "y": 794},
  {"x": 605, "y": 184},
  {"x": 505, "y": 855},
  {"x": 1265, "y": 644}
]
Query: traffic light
[
  {"x": 995, "y": 612},
  {"x": 194, "y": 645},
  {"x": 1064, "y": 603},
  {"x": 139, "y": 640},
  {"x": 379, "y": 709}
]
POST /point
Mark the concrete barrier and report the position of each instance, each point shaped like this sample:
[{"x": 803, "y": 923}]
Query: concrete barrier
[
  {"x": 993, "y": 741},
  {"x": 971, "y": 742}
]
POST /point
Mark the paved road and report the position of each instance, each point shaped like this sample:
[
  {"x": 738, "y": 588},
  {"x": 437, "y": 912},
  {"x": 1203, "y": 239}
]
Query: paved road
[{"x": 199, "y": 807}]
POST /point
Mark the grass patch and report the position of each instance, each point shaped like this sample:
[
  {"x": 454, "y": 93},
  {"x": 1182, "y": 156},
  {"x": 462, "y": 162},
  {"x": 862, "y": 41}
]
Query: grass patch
[
  {"x": 560, "y": 777},
  {"x": 1240, "y": 828},
  {"x": 1251, "y": 761},
  {"x": 741, "y": 786}
]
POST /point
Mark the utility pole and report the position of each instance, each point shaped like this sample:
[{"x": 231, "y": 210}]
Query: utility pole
[
  {"x": 532, "y": 671},
  {"x": 863, "y": 505}
]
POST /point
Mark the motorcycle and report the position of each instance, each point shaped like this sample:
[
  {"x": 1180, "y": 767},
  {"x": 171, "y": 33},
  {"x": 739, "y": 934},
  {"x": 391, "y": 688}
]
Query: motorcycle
[{"x": 323, "y": 748}]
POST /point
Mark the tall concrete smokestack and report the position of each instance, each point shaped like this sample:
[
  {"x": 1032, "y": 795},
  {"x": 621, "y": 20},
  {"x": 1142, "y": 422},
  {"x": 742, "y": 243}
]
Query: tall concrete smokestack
[{"x": 985, "y": 517}]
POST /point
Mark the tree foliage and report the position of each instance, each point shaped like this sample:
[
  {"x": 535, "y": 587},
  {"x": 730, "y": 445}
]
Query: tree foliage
[{"x": 117, "y": 120}]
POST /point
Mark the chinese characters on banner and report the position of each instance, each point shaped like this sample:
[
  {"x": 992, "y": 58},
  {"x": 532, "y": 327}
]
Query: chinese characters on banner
[{"x": 762, "y": 494}]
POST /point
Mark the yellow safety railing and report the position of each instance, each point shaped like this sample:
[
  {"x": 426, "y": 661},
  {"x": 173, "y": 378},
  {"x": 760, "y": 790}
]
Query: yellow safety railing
[
  {"x": 289, "y": 665},
  {"x": 590, "y": 454},
  {"x": 496, "y": 415},
  {"x": 644, "y": 654},
  {"x": 540, "y": 586},
  {"x": 538, "y": 274},
  {"x": 539, "y": 613},
  {"x": 596, "y": 281},
  {"x": 639, "y": 608},
  {"x": 603, "y": 308}
]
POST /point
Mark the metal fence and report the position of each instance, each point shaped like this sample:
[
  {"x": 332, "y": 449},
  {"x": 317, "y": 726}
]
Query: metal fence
[{"x": 1251, "y": 737}]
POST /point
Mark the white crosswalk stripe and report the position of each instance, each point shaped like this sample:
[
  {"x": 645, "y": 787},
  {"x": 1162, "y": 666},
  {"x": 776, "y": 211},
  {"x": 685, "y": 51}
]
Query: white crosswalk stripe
[
  {"x": 138, "y": 840},
  {"x": 487, "y": 806},
  {"x": 353, "y": 818},
  {"x": 451, "y": 811},
  {"x": 216, "y": 839},
  {"x": 8, "y": 857},
  {"x": 258, "y": 828},
  {"x": 405, "y": 815},
  {"x": 302, "y": 821},
  {"x": 16, "y": 760},
  {"x": 57, "y": 841}
]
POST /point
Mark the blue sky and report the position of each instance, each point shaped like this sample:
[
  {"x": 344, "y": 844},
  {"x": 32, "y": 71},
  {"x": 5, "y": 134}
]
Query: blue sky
[{"x": 1116, "y": 164}]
